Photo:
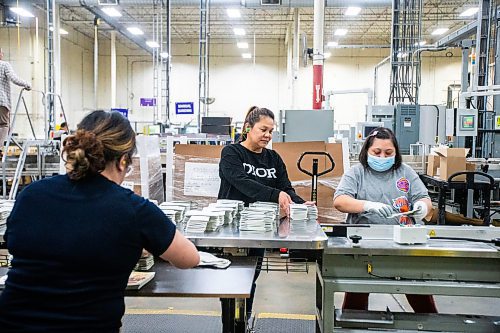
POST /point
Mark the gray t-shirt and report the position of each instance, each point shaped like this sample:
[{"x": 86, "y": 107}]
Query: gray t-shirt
[{"x": 400, "y": 189}]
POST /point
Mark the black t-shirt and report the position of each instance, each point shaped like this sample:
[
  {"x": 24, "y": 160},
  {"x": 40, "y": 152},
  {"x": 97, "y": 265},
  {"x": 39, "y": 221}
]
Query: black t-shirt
[
  {"x": 251, "y": 177},
  {"x": 74, "y": 245}
]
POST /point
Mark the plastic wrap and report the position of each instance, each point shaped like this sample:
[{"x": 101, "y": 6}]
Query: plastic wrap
[
  {"x": 326, "y": 190},
  {"x": 202, "y": 182},
  {"x": 146, "y": 178}
]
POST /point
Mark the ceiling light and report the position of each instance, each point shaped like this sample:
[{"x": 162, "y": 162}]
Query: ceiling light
[
  {"x": 233, "y": 13},
  {"x": 242, "y": 45},
  {"x": 135, "y": 31},
  {"x": 111, "y": 11},
  {"x": 340, "y": 32},
  {"x": 469, "y": 12},
  {"x": 327, "y": 55},
  {"x": 239, "y": 31},
  {"x": 332, "y": 44},
  {"x": 352, "y": 11},
  {"x": 246, "y": 55},
  {"x": 152, "y": 43},
  {"x": 21, "y": 12},
  {"x": 439, "y": 31},
  {"x": 62, "y": 31},
  {"x": 164, "y": 55}
]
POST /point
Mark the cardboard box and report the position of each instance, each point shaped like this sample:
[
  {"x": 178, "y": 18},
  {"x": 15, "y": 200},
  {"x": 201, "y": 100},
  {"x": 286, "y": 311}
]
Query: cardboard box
[
  {"x": 451, "y": 160},
  {"x": 470, "y": 166},
  {"x": 432, "y": 164}
]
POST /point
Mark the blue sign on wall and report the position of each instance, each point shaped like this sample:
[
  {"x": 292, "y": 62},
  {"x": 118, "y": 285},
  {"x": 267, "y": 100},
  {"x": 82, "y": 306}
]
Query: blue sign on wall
[
  {"x": 124, "y": 112},
  {"x": 184, "y": 108},
  {"x": 148, "y": 101}
]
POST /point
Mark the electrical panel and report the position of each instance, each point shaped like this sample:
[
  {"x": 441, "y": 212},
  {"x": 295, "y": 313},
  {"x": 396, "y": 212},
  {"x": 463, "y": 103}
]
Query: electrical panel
[
  {"x": 461, "y": 122},
  {"x": 383, "y": 113},
  {"x": 407, "y": 126}
]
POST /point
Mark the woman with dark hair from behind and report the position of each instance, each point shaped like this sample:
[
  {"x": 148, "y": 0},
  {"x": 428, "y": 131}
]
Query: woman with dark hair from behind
[
  {"x": 69, "y": 271},
  {"x": 380, "y": 186}
]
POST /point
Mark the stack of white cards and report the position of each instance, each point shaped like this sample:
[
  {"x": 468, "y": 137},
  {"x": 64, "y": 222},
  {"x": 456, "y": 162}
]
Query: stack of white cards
[
  {"x": 238, "y": 204},
  {"x": 226, "y": 213},
  {"x": 201, "y": 221},
  {"x": 298, "y": 211},
  {"x": 145, "y": 262},
  {"x": 258, "y": 219},
  {"x": 174, "y": 210},
  {"x": 273, "y": 205},
  {"x": 312, "y": 212}
]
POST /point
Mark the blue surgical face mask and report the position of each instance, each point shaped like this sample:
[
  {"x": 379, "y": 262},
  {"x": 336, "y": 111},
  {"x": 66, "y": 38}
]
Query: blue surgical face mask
[{"x": 381, "y": 164}]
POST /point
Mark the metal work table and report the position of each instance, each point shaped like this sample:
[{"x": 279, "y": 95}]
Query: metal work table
[
  {"x": 311, "y": 237},
  {"x": 441, "y": 267}
]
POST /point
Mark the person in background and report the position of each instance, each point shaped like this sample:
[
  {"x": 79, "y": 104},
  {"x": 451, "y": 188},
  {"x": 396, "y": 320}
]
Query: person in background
[
  {"x": 69, "y": 271},
  {"x": 63, "y": 130},
  {"x": 7, "y": 75},
  {"x": 381, "y": 185},
  {"x": 250, "y": 172}
]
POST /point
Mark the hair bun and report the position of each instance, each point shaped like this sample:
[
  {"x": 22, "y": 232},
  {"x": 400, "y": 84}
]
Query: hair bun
[{"x": 83, "y": 155}]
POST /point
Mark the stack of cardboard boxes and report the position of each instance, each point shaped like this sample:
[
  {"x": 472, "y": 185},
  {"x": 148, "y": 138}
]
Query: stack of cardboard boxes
[{"x": 447, "y": 161}]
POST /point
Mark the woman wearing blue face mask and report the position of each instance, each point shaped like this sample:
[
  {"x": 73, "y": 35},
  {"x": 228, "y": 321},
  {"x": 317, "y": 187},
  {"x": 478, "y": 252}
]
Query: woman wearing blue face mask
[{"x": 380, "y": 186}]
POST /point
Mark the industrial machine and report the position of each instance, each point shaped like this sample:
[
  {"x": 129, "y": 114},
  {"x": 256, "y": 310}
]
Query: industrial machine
[
  {"x": 407, "y": 126},
  {"x": 305, "y": 125},
  {"x": 461, "y": 122},
  {"x": 364, "y": 128}
]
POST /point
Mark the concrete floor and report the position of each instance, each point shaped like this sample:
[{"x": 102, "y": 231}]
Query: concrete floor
[{"x": 294, "y": 294}]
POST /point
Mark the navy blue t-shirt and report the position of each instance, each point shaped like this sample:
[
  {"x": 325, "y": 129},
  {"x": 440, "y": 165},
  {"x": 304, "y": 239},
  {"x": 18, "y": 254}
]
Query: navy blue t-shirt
[{"x": 74, "y": 245}]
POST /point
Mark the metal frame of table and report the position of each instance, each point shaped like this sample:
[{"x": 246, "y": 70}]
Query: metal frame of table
[
  {"x": 441, "y": 267},
  {"x": 232, "y": 285}
]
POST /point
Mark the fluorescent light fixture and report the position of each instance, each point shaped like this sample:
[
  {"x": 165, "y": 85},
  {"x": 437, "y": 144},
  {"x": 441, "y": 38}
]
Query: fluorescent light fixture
[
  {"x": 246, "y": 55},
  {"x": 152, "y": 44},
  {"x": 242, "y": 45},
  {"x": 62, "y": 31},
  {"x": 332, "y": 44},
  {"x": 239, "y": 31},
  {"x": 469, "y": 12},
  {"x": 164, "y": 55},
  {"x": 233, "y": 13},
  {"x": 327, "y": 55},
  {"x": 111, "y": 11},
  {"x": 340, "y": 32},
  {"x": 439, "y": 31},
  {"x": 21, "y": 12},
  {"x": 352, "y": 11},
  {"x": 422, "y": 43},
  {"x": 135, "y": 31}
]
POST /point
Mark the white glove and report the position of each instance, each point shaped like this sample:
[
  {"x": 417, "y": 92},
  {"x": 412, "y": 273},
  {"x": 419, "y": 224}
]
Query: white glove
[
  {"x": 379, "y": 208},
  {"x": 422, "y": 211}
]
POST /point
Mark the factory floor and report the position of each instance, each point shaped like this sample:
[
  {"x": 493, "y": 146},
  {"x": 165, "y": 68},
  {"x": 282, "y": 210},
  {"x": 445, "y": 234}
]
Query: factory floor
[{"x": 292, "y": 296}]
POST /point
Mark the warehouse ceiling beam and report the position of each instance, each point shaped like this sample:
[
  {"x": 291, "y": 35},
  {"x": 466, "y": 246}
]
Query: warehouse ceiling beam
[
  {"x": 457, "y": 36},
  {"x": 138, "y": 40},
  {"x": 240, "y": 3}
]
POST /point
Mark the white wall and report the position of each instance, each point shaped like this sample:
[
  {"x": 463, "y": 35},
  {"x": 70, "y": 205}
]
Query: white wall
[{"x": 235, "y": 83}]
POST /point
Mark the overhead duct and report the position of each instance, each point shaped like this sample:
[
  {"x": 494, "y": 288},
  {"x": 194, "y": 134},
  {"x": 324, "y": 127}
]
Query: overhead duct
[{"x": 238, "y": 3}]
